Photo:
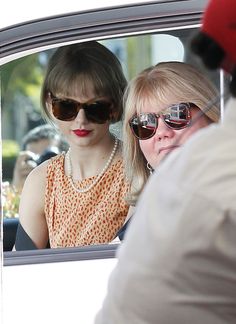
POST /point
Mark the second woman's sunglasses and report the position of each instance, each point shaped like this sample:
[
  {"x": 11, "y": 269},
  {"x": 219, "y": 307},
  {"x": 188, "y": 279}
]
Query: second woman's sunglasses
[
  {"x": 98, "y": 111},
  {"x": 176, "y": 117}
]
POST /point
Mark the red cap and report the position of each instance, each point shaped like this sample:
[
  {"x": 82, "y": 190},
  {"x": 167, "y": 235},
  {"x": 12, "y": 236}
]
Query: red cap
[{"x": 219, "y": 23}]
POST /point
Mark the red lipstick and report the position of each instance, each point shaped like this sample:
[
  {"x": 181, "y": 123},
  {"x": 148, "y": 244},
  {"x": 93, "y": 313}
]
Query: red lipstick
[{"x": 81, "y": 132}]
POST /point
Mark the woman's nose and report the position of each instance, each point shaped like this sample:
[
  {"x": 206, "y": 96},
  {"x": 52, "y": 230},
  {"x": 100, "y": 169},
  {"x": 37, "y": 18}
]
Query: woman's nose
[
  {"x": 163, "y": 131},
  {"x": 81, "y": 116}
]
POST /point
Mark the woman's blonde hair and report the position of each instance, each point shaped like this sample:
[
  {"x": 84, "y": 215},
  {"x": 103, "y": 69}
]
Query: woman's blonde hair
[{"x": 155, "y": 84}]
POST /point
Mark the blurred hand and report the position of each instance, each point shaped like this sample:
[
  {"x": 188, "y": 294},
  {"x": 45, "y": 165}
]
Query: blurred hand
[{"x": 25, "y": 163}]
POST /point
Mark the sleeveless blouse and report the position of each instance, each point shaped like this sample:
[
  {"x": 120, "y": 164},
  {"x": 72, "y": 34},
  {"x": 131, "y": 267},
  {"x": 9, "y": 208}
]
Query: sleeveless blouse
[{"x": 93, "y": 217}]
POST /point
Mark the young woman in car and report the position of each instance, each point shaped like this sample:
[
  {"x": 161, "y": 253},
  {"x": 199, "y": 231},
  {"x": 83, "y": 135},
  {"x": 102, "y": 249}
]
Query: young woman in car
[
  {"x": 77, "y": 198},
  {"x": 161, "y": 105}
]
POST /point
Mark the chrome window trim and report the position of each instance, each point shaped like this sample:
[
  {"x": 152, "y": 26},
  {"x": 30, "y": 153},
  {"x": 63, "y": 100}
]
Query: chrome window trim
[
  {"x": 92, "y": 252},
  {"x": 100, "y": 23}
]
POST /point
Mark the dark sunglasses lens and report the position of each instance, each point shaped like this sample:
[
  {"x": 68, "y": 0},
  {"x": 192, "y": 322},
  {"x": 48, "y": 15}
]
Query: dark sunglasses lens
[
  {"x": 144, "y": 126},
  {"x": 177, "y": 116},
  {"x": 98, "y": 112},
  {"x": 64, "y": 109}
]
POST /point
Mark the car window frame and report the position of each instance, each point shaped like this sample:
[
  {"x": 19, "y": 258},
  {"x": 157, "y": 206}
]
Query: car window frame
[
  {"x": 83, "y": 253},
  {"x": 111, "y": 21},
  {"x": 126, "y": 20}
]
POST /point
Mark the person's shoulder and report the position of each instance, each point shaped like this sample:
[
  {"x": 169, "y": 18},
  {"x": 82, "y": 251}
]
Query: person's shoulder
[
  {"x": 57, "y": 158},
  {"x": 39, "y": 173},
  {"x": 35, "y": 182},
  {"x": 55, "y": 162}
]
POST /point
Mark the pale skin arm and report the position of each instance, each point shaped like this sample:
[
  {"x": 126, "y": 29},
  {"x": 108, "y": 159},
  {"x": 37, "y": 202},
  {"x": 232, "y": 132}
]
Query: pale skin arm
[{"x": 31, "y": 210}]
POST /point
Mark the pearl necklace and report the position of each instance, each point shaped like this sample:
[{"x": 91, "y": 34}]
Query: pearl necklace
[{"x": 69, "y": 169}]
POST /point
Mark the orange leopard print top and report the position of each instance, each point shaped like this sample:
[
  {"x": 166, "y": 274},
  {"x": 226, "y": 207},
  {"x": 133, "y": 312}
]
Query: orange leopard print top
[{"x": 93, "y": 217}]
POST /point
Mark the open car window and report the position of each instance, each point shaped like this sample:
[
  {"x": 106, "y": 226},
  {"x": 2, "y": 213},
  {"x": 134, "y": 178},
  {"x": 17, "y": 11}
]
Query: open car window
[
  {"x": 152, "y": 33},
  {"x": 21, "y": 111},
  {"x": 140, "y": 36}
]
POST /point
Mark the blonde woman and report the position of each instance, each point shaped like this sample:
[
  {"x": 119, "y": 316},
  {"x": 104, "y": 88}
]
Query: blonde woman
[{"x": 160, "y": 105}]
